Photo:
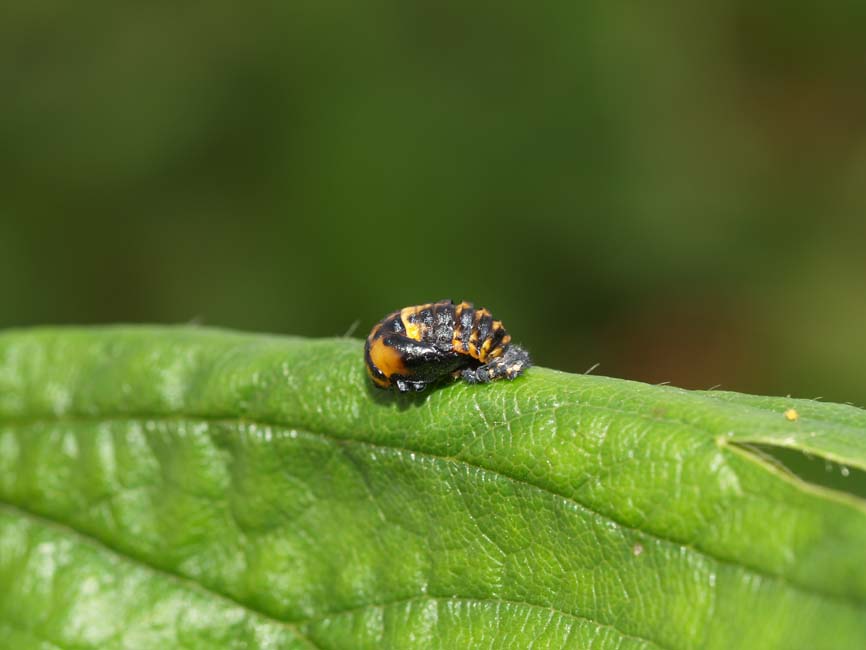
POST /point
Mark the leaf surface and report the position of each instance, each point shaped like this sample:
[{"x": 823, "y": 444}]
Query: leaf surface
[{"x": 193, "y": 488}]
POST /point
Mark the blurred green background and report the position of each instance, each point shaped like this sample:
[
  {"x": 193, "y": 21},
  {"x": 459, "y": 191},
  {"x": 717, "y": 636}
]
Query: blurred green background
[{"x": 674, "y": 191}]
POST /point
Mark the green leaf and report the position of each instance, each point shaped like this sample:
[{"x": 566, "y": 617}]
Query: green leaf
[{"x": 194, "y": 488}]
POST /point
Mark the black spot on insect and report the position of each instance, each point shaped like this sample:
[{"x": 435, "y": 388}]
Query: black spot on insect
[{"x": 417, "y": 346}]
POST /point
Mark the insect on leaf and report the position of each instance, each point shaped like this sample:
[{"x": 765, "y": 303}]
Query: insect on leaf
[{"x": 195, "y": 488}]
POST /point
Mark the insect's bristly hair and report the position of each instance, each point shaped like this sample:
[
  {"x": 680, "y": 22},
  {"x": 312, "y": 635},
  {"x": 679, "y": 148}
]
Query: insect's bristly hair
[
  {"x": 517, "y": 355},
  {"x": 444, "y": 322},
  {"x": 511, "y": 364},
  {"x": 467, "y": 320}
]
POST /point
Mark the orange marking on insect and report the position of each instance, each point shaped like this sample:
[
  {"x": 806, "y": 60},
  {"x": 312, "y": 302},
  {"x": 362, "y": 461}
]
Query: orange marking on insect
[
  {"x": 408, "y": 315},
  {"x": 496, "y": 353},
  {"x": 485, "y": 349},
  {"x": 387, "y": 359}
]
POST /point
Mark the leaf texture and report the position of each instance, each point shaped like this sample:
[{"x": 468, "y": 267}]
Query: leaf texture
[{"x": 197, "y": 488}]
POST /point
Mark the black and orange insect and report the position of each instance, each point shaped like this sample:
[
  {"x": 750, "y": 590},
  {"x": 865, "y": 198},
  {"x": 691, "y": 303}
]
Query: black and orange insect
[{"x": 416, "y": 346}]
